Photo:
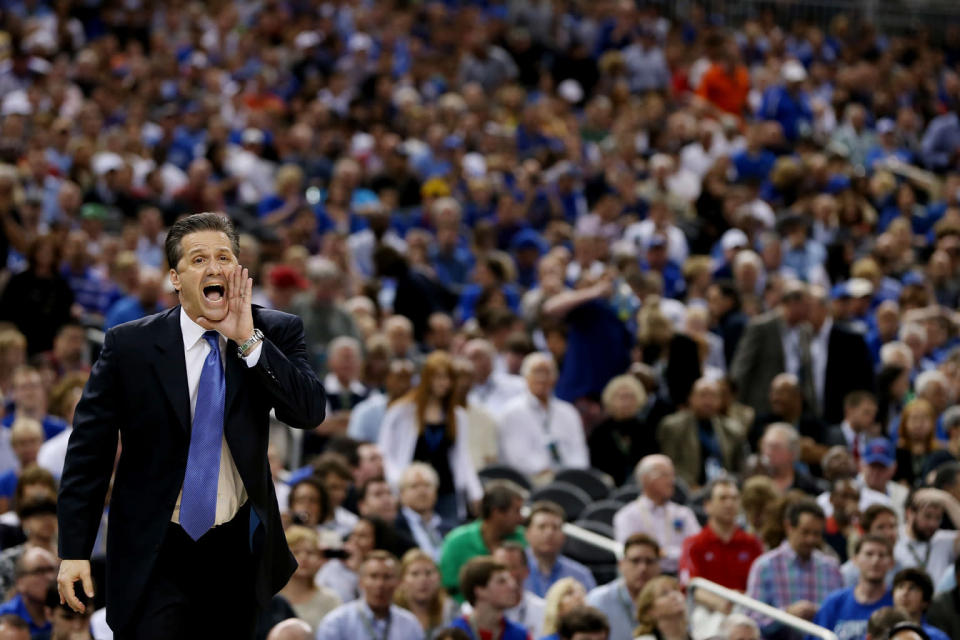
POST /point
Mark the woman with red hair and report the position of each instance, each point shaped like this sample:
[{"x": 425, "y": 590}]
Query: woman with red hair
[
  {"x": 916, "y": 441},
  {"x": 427, "y": 425}
]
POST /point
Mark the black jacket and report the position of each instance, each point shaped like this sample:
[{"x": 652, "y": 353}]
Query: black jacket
[
  {"x": 138, "y": 388},
  {"x": 849, "y": 368}
]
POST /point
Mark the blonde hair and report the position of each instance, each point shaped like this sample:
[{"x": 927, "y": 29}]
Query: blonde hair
[
  {"x": 551, "y": 609},
  {"x": 400, "y": 598},
  {"x": 657, "y": 587},
  {"x": 297, "y": 533},
  {"x": 628, "y": 381},
  {"x": 24, "y": 426}
]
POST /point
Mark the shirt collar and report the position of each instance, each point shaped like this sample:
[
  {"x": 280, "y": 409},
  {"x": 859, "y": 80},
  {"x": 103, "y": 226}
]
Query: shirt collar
[
  {"x": 192, "y": 332},
  {"x": 412, "y": 516},
  {"x": 333, "y": 387}
]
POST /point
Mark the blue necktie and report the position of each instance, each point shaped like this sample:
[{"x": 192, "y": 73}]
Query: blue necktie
[{"x": 198, "y": 506}]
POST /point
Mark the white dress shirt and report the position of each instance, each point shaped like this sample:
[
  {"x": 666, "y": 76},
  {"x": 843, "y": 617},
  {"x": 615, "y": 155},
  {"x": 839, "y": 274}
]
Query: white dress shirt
[
  {"x": 529, "y": 432},
  {"x": 935, "y": 556},
  {"x": 791, "y": 350},
  {"x": 497, "y": 391},
  {"x": 669, "y": 524},
  {"x": 231, "y": 494}
]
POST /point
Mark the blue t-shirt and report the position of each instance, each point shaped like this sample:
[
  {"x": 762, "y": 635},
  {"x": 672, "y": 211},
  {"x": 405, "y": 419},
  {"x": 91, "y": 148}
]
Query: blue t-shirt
[
  {"x": 8, "y": 483},
  {"x": 842, "y": 614}
]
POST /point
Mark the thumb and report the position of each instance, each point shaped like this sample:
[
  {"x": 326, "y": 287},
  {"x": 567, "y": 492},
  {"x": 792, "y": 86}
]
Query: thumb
[{"x": 87, "y": 584}]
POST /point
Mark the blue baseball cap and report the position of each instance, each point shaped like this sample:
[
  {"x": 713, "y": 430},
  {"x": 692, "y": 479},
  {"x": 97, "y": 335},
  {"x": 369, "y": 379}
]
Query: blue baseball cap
[
  {"x": 879, "y": 451},
  {"x": 529, "y": 239}
]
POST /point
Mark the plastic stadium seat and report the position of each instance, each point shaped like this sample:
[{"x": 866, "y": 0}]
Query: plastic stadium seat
[
  {"x": 605, "y": 530},
  {"x": 596, "y": 483},
  {"x": 601, "y": 562},
  {"x": 572, "y": 498},
  {"x": 504, "y": 472},
  {"x": 601, "y": 511},
  {"x": 625, "y": 494}
]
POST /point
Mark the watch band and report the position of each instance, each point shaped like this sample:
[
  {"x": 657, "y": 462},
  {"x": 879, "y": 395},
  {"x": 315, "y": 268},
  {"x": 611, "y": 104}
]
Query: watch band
[{"x": 256, "y": 338}]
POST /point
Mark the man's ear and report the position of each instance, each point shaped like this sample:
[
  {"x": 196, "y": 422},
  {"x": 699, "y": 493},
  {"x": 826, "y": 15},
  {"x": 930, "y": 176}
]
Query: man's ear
[{"x": 175, "y": 280}]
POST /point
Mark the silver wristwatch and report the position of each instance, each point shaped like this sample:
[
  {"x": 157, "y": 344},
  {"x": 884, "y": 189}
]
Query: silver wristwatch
[{"x": 244, "y": 349}]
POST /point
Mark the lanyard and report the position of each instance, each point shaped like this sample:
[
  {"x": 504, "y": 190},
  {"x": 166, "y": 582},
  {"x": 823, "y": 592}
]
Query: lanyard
[
  {"x": 368, "y": 625},
  {"x": 926, "y": 558},
  {"x": 552, "y": 447},
  {"x": 475, "y": 630}
]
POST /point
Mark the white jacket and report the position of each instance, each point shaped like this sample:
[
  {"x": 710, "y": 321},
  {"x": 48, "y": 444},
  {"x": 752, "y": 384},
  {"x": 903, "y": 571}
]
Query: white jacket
[{"x": 398, "y": 440}]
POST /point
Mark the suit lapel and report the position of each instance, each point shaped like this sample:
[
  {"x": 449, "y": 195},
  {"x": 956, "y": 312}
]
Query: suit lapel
[{"x": 171, "y": 366}]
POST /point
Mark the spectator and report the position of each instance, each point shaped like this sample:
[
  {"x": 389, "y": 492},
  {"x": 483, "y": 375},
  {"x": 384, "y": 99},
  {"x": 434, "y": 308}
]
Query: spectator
[
  {"x": 617, "y": 600},
  {"x": 26, "y": 436},
  {"x": 788, "y": 104},
  {"x": 702, "y": 441},
  {"x": 490, "y": 590},
  {"x": 859, "y": 417},
  {"x": 583, "y": 623},
  {"x": 877, "y": 469},
  {"x": 500, "y": 520},
  {"x": 779, "y": 449},
  {"x": 310, "y": 601},
  {"x": 545, "y": 538},
  {"x": 916, "y": 442},
  {"x": 38, "y": 520},
  {"x": 528, "y": 609},
  {"x": 738, "y": 626},
  {"x": 796, "y": 576},
  {"x": 375, "y": 614},
  {"x": 557, "y": 440},
  {"x": 564, "y": 596},
  {"x": 662, "y": 611},
  {"x": 36, "y": 572},
  {"x": 146, "y": 301},
  {"x": 482, "y": 432},
  {"x": 417, "y": 518},
  {"x": 923, "y": 544},
  {"x": 428, "y": 426},
  {"x": 876, "y": 520},
  {"x": 492, "y": 390},
  {"x": 291, "y": 629},
  {"x": 367, "y": 416},
  {"x": 13, "y": 627},
  {"x": 335, "y": 478},
  {"x": 847, "y": 611},
  {"x": 842, "y": 523},
  {"x": 656, "y": 477},
  {"x": 309, "y": 503},
  {"x": 722, "y": 552},
  {"x": 912, "y": 592},
  {"x": 30, "y": 400},
  {"x": 615, "y": 444},
  {"x": 420, "y": 592}
]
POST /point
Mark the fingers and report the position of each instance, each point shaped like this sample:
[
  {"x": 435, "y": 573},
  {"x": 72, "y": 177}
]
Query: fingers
[
  {"x": 65, "y": 587},
  {"x": 87, "y": 584}
]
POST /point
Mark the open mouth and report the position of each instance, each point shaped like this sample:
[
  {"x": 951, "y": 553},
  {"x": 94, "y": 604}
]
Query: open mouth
[{"x": 213, "y": 292}]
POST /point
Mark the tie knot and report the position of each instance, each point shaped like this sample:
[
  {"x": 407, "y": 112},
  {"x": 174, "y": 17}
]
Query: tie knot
[{"x": 213, "y": 339}]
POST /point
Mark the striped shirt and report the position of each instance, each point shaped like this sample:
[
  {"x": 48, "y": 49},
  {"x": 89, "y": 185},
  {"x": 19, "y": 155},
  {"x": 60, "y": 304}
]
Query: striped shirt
[{"x": 780, "y": 578}]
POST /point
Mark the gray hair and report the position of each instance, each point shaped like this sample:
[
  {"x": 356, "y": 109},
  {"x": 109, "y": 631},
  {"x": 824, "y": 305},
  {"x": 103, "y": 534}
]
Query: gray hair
[
  {"x": 535, "y": 359},
  {"x": 344, "y": 342},
  {"x": 320, "y": 269},
  {"x": 927, "y": 378},
  {"x": 787, "y": 431},
  {"x": 651, "y": 464},
  {"x": 951, "y": 418},
  {"x": 890, "y": 351},
  {"x": 419, "y": 467}
]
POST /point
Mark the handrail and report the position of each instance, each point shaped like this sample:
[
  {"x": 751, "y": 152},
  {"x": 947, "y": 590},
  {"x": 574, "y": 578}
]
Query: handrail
[
  {"x": 595, "y": 539},
  {"x": 747, "y": 602}
]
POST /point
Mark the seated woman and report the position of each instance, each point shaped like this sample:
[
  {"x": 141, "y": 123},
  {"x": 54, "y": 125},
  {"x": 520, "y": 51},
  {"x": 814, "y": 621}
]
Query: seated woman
[
  {"x": 564, "y": 596},
  {"x": 617, "y": 444},
  {"x": 421, "y": 594},
  {"x": 662, "y": 611},
  {"x": 310, "y": 601}
]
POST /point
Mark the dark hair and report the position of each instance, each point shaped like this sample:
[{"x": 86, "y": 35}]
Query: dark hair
[
  {"x": 856, "y": 398},
  {"x": 346, "y": 447},
  {"x": 546, "y": 506},
  {"x": 314, "y": 482},
  {"x": 582, "y": 619},
  {"x": 191, "y": 224},
  {"x": 365, "y": 487},
  {"x": 477, "y": 573},
  {"x": 40, "y": 506},
  {"x": 883, "y": 619},
  {"x": 909, "y": 626},
  {"x": 499, "y": 495},
  {"x": 451, "y": 633},
  {"x": 800, "y": 507},
  {"x": 332, "y": 463},
  {"x": 720, "y": 481},
  {"x": 385, "y": 537},
  {"x": 514, "y": 547},
  {"x": 30, "y": 476},
  {"x": 14, "y": 621},
  {"x": 872, "y": 513},
  {"x": 382, "y": 556},
  {"x": 729, "y": 290},
  {"x": 872, "y": 537},
  {"x": 947, "y": 475},
  {"x": 918, "y": 577},
  {"x": 643, "y": 540}
]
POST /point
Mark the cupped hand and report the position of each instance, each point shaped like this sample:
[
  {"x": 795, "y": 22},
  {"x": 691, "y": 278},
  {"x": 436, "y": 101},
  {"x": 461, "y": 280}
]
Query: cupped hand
[
  {"x": 237, "y": 325},
  {"x": 70, "y": 572}
]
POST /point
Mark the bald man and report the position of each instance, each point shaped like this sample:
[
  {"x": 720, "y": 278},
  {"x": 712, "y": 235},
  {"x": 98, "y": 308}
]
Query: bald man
[{"x": 654, "y": 514}]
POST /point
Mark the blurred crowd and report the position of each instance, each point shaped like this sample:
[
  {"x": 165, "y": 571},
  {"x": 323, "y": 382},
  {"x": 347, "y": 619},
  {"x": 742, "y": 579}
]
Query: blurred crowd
[{"x": 714, "y": 266}]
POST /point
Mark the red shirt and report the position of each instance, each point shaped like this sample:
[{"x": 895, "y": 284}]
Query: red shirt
[
  {"x": 705, "y": 555},
  {"x": 728, "y": 92}
]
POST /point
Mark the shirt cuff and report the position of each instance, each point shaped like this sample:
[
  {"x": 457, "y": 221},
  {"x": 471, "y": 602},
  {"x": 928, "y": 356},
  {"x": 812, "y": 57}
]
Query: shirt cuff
[{"x": 254, "y": 356}]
